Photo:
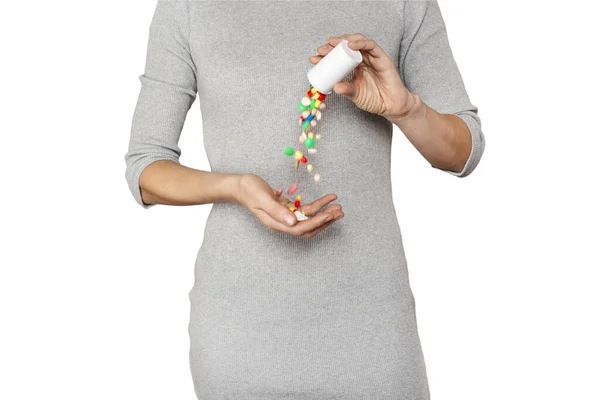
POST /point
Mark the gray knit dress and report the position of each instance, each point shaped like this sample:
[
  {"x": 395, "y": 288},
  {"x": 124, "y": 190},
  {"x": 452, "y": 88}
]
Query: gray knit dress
[{"x": 276, "y": 316}]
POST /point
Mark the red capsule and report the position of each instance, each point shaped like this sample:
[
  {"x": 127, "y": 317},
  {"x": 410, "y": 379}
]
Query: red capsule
[
  {"x": 303, "y": 160},
  {"x": 322, "y": 96},
  {"x": 297, "y": 203},
  {"x": 309, "y": 94}
]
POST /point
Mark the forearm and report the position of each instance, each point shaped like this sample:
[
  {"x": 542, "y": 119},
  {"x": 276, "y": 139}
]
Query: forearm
[
  {"x": 170, "y": 183},
  {"x": 444, "y": 140}
]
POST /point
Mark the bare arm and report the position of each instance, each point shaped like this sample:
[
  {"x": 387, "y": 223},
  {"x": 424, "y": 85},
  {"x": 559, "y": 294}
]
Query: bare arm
[
  {"x": 170, "y": 183},
  {"x": 444, "y": 140}
]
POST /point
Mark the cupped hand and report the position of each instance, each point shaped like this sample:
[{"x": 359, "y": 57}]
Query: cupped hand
[
  {"x": 376, "y": 85},
  {"x": 272, "y": 208}
]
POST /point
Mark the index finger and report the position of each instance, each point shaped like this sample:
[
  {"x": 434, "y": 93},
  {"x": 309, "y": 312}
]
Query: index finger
[
  {"x": 312, "y": 208},
  {"x": 358, "y": 41}
]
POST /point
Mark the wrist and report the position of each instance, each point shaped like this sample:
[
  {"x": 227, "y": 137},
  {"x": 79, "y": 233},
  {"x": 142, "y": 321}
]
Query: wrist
[
  {"x": 413, "y": 108},
  {"x": 235, "y": 188}
]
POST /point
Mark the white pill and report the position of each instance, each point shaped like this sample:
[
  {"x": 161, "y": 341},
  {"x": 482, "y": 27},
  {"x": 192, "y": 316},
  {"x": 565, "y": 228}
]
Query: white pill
[
  {"x": 300, "y": 216},
  {"x": 318, "y": 115},
  {"x": 312, "y": 150},
  {"x": 317, "y": 177},
  {"x": 305, "y": 101}
]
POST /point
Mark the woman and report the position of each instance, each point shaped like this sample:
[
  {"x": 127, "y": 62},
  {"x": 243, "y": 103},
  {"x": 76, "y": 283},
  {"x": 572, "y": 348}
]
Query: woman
[{"x": 280, "y": 308}]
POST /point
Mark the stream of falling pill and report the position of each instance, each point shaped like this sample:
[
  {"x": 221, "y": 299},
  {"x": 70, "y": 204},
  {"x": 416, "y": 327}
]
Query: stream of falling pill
[{"x": 311, "y": 106}]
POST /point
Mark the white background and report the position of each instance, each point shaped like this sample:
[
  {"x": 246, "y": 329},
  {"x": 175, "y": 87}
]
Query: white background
[{"x": 503, "y": 264}]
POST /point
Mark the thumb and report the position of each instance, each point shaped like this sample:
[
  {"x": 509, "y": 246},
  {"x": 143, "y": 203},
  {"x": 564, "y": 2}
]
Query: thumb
[
  {"x": 345, "y": 88},
  {"x": 281, "y": 213}
]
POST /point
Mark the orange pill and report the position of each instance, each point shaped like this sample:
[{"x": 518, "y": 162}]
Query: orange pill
[{"x": 292, "y": 189}]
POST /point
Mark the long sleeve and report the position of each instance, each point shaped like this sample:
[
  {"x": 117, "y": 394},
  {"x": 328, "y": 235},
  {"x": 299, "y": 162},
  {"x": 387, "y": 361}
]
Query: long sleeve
[
  {"x": 428, "y": 68},
  {"x": 167, "y": 93}
]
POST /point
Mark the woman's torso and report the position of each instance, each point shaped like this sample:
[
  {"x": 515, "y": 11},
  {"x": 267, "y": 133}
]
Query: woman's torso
[{"x": 276, "y": 315}]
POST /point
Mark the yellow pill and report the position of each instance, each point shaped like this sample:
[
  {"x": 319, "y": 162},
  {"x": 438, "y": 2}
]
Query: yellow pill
[
  {"x": 317, "y": 103},
  {"x": 313, "y": 90},
  {"x": 318, "y": 136},
  {"x": 309, "y": 167},
  {"x": 311, "y": 135},
  {"x": 298, "y": 198},
  {"x": 291, "y": 208},
  {"x": 298, "y": 155}
]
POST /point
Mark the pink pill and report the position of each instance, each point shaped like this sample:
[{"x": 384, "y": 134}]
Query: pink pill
[
  {"x": 322, "y": 106},
  {"x": 292, "y": 189},
  {"x": 313, "y": 123},
  {"x": 305, "y": 114}
]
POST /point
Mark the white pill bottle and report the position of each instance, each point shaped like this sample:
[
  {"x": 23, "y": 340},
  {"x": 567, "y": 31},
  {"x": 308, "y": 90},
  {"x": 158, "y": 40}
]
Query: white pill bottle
[{"x": 334, "y": 67}]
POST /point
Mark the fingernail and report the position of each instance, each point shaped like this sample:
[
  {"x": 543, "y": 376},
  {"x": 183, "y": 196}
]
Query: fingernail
[{"x": 289, "y": 219}]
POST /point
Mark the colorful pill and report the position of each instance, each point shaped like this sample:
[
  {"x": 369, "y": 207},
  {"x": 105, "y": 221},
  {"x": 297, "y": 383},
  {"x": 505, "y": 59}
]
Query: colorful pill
[
  {"x": 305, "y": 114},
  {"x": 317, "y": 177},
  {"x": 318, "y": 136},
  {"x": 292, "y": 188},
  {"x": 322, "y": 96},
  {"x": 292, "y": 209},
  {"x": 314, "y": 111},
  {"x": 302, "y": 107},
  {"x": 313, "y": 123},
  {"x": 289, "y": 151},
  {"x": 303, "y": 160},
  {"x": 298, "y": 197},
  {"x": 317, "y": 103},
  {"x": 313, "y": 90},
  {"x": 302, "y": 137},
  {"x": 297, "y": 203},
  {"x": 298, "y": 154},
  {"x": 306, "y": 101},
  {"x": 296, "y": 163},
  {"x": 322, "y": 106},
  {"x": 318, "y": 115},
  {"x": 310, "y": 135},
  {"x": 312, "y": 150},
  {"x": 305, "y": 125},
  {"x": 309, "y": 142},
  {"x": 312, "y": 104},
  {"x": 309, "y": 167},
  {"x": 309, "y": 93},
  {"x": 310, "y": 117}
]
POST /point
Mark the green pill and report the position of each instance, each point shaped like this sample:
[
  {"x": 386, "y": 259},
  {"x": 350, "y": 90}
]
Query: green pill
[
  {"x": 289, "y": 151},
  {"x": 312, "y": 103},
  {"x": 302, "y": 107},
  {"x": 310, "y": 143},
  {"x": 305, "y": 125}
]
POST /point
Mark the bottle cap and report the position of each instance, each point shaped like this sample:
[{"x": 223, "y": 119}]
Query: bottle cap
[{"x": 334, "y": 67}]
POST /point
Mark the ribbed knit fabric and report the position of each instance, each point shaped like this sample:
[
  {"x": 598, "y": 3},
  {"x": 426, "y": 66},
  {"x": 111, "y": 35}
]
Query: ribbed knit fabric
[{"x": 276, "y": 316}]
